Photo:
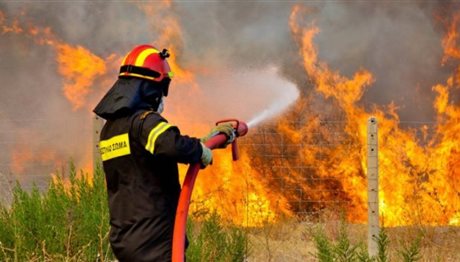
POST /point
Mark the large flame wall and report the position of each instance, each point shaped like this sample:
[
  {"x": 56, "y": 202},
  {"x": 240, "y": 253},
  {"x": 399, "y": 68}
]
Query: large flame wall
[{"x": 398, "y": 62}]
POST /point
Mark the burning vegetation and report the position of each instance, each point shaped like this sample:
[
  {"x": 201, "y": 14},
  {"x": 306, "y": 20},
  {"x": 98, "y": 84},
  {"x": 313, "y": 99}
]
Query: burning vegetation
[{"x": 318, "y": 167}]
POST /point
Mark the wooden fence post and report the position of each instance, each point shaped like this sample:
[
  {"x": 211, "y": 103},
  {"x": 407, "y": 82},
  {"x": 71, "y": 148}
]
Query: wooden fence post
[
  {"x": 372, "y": 186},
  {"x": 98, "y": 123}
]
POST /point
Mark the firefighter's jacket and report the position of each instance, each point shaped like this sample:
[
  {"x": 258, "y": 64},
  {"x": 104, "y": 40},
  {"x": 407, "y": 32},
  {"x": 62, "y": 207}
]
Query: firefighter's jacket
[{"x": 140, "y": 153}]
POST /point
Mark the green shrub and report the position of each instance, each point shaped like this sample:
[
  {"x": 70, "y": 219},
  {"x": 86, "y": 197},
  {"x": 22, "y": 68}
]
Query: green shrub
[
  {"x": 69, "y": 221},
  {"x": 324, "y": 246},
  {"x": 411, "y": 252},
  {"x": 211, "y": 241},
  {"x": 382, "y": 245},
  {"x": 341, "y": 249}
]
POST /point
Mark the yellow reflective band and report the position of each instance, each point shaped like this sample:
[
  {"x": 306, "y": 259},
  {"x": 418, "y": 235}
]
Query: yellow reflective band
[
  {"x": 170, "y": 74},
  {"x": 143, "y": 55},
  {"x": 153, "y": 135},
  {"x": 115, "y": 147}
]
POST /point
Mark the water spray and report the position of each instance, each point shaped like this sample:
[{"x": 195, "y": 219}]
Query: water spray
[
  {"x": 283, "y": 100},
  {"x": 180, "y": 224},
  {"x": 263, "y": 116},
  {"x": 271, "y": 111}
]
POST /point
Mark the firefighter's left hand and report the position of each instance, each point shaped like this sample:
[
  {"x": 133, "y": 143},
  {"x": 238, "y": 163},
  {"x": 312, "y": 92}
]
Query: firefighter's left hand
[
  {"x": 226, "y": 129},
  {"x": 206, "y": 156}
]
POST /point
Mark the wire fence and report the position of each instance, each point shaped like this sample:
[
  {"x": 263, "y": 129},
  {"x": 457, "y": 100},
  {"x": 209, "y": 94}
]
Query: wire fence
[
  {"x": 293, "y": 174},
  {"x": 319, "y": 173},
  {"x": 286, "y": 165},
  {"x": 313, "y": 170},
  {"x": 32, "y": 153}
]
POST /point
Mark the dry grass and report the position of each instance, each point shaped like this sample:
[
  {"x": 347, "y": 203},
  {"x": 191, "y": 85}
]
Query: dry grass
[
  {"x": 437, "y": 243},
  {"x": 284, "y": 241},
  {"x": 292, "y": 240}
]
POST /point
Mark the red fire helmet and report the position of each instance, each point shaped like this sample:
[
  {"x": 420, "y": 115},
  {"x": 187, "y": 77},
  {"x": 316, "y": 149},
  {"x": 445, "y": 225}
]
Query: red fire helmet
[{"x": 147, "y": 62}]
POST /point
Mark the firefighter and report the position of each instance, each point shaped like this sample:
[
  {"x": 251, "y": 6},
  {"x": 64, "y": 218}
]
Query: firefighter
[{"x": 140, "y": 151}]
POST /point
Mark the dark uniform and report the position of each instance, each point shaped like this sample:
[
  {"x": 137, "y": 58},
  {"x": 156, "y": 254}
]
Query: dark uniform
[{"x": 140, "y": 153}]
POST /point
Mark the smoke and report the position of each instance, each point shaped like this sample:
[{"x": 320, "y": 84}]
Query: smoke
[
  {"x": 231, "y": 46},
  {"x": 398, "y": 42}
]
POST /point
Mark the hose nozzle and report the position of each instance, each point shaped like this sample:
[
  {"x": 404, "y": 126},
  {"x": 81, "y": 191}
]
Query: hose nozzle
[{"x": 241, "y": 129}]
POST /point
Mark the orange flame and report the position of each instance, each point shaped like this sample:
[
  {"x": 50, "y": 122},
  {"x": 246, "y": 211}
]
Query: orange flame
[
  {"x": 418, "y": 184},
  {"x": 79, "y": 67},
  {"x": 13, "y": 28},
  {"x": 449, "y": 42},
  {"x": 24, "y": 158},
  {"x": 169, "y": 36},
  {"x": 419, "y": 176}
]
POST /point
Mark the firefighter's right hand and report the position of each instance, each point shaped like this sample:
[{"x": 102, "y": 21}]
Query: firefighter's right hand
[{"x": 206, "y": 156}]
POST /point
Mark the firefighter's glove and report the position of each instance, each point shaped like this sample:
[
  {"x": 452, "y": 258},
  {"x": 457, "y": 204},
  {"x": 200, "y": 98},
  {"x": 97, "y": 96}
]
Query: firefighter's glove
[
  {"x": 226, "y": 129},
  {"x": 206, "y": 156}
]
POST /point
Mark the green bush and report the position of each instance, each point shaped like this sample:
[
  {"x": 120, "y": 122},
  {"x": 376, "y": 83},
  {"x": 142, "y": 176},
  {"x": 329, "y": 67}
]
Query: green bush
[
  {"x": 411, "y": 252},
  {"x": 211, "y": 241},
  {"x": 341, "y": 249},
  {"x": 68, "y": 222}
]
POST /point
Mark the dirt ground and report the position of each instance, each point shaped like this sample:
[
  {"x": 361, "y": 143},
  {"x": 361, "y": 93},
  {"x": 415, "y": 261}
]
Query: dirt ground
[{"x": 293, "y": 241}]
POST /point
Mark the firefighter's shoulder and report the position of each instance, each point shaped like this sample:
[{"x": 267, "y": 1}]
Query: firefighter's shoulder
[
  {"x": 150, "y": 119},
  {"x": 152, "y": 127},
  {"x": 151, "y": 122}
]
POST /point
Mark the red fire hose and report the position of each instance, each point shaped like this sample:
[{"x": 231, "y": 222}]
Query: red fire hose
[{"x": 178, "y": 247}]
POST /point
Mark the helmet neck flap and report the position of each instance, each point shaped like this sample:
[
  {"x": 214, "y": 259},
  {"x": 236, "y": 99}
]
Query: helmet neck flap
[{"x": 129, "y": 95}]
